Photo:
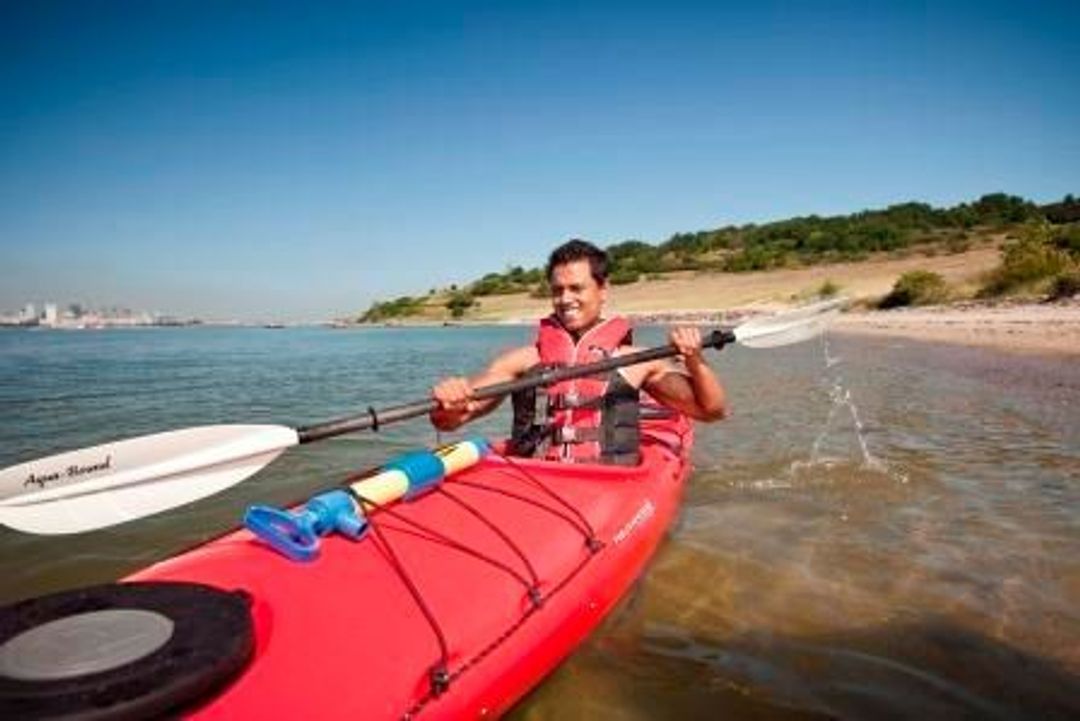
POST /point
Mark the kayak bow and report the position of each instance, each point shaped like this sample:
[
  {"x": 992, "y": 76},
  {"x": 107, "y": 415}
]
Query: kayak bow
[{"x": 452, "y": 604}]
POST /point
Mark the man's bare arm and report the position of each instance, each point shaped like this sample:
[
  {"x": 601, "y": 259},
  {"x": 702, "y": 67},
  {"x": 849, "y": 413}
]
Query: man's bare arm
[
  {"x": 697, "y": 391},
  {"x": 454, "y": 395}
]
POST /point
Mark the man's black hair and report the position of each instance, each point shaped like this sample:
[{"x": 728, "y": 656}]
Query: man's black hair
[{"x": 578, "y": 249}]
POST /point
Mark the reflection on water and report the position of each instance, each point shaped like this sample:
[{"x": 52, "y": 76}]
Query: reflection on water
[{"x": 882, "y": 530}]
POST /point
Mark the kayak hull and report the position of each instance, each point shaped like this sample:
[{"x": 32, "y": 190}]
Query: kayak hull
[{"x": 453, "y": 605}]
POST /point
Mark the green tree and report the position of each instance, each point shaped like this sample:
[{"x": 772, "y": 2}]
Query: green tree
[
  {"x": 1003, "y": 208},
  {"x": 460, "y": 302}
]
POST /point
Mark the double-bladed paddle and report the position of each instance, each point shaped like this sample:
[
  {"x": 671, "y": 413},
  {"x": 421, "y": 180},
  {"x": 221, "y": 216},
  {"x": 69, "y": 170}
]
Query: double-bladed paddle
[{"x": 115, "y": 482}]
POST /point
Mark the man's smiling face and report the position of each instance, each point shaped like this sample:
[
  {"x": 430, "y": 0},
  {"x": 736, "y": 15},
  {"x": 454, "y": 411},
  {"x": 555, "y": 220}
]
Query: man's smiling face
[{"x": 576, "y": 297}]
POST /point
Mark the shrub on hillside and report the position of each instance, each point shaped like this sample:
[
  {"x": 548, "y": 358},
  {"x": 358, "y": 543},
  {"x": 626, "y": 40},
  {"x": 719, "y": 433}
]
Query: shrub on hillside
[
  {"x": 388, "y": 310},
  {"x": 958, "y": 244},
  {"x": 624, "y": 276},
  {"x": 1026, "y": 261},
  {"x": 515, "y": 280},
  {"x": 916, "y": 287},
  {"x": 1067, "y": 211},
  {"x": 1067, "y": 239},
  {"x": 828, "y": 289},
  {"x": 754, "y": 258},
  {"x": 1066, "y": 285},
  {"x": 492, "y": 284},
  {"x": 633, "y": 257}
]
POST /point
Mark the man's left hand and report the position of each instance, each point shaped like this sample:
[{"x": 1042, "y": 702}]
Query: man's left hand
[{"x": 688, "y": 342}]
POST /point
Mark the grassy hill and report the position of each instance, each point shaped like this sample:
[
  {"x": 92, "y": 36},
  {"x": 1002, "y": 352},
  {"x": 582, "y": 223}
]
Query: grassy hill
[{"x": 862, "y": 254}]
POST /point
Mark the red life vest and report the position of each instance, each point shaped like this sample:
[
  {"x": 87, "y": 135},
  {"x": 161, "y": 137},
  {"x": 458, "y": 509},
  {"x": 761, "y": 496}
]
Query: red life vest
[
  {"x": 575, "y": 405},
  {"x": 592, "y": 419},
  {"x": 599, "y": 419}
]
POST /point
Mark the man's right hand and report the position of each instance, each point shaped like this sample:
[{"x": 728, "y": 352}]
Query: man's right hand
[
  {"x": 455, "y": 405},
  {"x": 454, "y": 394}
]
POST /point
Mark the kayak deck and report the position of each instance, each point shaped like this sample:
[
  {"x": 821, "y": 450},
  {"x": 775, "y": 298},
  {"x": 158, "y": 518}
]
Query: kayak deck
[{"x": 453, "y": 605}]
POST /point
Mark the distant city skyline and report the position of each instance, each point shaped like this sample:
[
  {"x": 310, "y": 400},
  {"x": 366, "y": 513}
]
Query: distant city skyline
[
  {"x": 78, "y": 307},
  {"x": 51, "y": 314},
  {"x": 289, "y": 162}
]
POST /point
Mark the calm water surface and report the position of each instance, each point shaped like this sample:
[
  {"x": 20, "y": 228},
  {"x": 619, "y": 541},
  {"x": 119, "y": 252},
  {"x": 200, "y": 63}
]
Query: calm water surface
[{"x": 884, "y": 529}]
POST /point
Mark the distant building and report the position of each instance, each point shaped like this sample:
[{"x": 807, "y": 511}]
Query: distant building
[{"x": 77, "y": 315}]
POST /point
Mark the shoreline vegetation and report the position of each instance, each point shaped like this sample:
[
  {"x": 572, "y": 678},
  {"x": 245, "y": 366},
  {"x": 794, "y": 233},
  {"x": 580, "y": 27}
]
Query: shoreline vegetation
[{"x": 1000, "y": 272}]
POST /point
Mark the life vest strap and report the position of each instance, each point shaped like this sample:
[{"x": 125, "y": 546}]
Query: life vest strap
[
  {"x": 656, "y": 413},
  {"x": 572, "y": 434},
  {"x": 571, "y": 401}
]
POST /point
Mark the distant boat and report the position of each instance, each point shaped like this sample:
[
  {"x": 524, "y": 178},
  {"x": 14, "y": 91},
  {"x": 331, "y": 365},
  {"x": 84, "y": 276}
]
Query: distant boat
[{"x": 273, "y": 325}]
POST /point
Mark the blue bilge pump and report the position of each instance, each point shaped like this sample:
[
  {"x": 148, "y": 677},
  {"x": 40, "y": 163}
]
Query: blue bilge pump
[{"x": 296, "y": 533}]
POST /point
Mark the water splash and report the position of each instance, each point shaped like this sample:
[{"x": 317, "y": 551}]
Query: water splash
[{"x": 841, "y": 406}]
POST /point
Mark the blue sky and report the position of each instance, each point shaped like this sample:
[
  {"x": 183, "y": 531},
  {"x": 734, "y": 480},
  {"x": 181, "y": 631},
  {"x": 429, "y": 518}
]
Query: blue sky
[{"x": 298, "y": 160}]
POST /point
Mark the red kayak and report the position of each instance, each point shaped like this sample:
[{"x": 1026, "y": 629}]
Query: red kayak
[{"x": 453, "y": 604}]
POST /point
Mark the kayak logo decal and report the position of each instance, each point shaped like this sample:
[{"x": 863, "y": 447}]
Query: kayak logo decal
[
  {"x": 647, "y": 511},
  {"x": 72, "y": 471}
]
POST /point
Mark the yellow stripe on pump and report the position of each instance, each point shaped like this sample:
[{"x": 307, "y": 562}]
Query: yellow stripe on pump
[
  {"x": 383, "y": 488},
  {"x": 459, "y": 456},
  {"x": 413, "y": 473}
]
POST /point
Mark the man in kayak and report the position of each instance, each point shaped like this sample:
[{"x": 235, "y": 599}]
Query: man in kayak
[{"x": 593, "y": 419}]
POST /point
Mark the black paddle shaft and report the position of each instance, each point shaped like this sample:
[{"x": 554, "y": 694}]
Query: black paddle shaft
[{"x": 374, "y": 419}]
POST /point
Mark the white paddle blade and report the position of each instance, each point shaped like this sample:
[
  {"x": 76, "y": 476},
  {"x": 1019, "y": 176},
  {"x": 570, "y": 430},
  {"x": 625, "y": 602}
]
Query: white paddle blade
[
  {"x": 116, "y": 482},
  {"x": 788, "y": 327}
]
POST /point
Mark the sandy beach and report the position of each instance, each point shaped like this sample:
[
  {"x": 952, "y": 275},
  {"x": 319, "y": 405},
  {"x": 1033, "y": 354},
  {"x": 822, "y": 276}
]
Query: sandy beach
[{"x": 1040, "y": 328}]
